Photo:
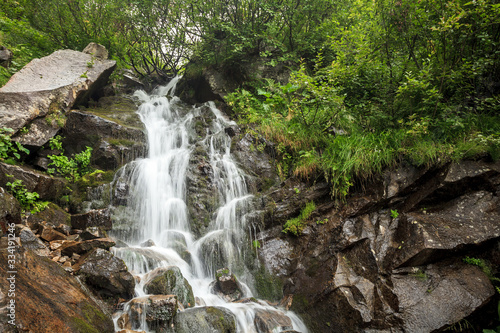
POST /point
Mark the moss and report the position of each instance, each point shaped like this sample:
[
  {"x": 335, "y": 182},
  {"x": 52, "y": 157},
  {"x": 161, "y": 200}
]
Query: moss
[
  {"x": 118, "y": 109},
  {"x": 268, "y": 287},
  {"x": 267, "y": 183},
  {"x": 81, "y": 326},
  {"x": 93, "y": 314},
  {"x": 300, "y": 304},
  {"x": 95, "y": 179}
]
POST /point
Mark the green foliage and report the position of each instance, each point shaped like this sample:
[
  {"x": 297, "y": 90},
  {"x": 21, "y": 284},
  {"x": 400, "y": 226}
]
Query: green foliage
[
  {"x": 70, "y": 168},
  {"x": 21, "y": 38},
  {"x": 9, "y": 148},
  {"x": 27, "y": 200},
  {"x": 394, "y": 214},
  {"x": 256, "y": 244},
  {"x": 297, "y": 224}
]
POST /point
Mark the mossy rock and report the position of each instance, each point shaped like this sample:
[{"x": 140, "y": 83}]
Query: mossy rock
[
  {"x": 268, "y": 287},
  {"x": 205, "y": 319},
  {"x": 169, "y": 281},
  {"x": 53, "y": 215},
  {"x": 120, "y": 109}
]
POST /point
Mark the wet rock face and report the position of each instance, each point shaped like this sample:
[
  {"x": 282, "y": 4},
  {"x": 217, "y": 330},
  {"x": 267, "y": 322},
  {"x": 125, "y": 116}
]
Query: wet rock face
[
  {"x": 47, "y": 87},
  {"x": 267, "y": 321},
  {"x": 435, "y": 296},
  {"x": 94, "y": 218},
  {"x": 169, "y": 281},
  {"x": 158, "y": 310},
  {"x": 204, "y": 319},
  {"x": 201, "y": 200},
  {"x": 255, "y": 157},
  {"x": 48, "y": 299},
  {"x": 113, "y": 144},
  {"x": 391, "y": 257},
  {"x": 107, "y": 274}
]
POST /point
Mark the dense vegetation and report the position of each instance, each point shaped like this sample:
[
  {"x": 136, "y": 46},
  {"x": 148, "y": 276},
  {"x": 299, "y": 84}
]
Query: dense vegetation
[{"x": 376, "y": 82}]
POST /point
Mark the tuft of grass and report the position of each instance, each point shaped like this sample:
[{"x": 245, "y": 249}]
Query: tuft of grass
[{"x": 297, "y": 224}]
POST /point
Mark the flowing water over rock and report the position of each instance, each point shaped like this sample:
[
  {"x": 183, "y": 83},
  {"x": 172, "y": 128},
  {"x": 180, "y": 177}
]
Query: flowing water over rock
[{"x": 151, "y": 216}]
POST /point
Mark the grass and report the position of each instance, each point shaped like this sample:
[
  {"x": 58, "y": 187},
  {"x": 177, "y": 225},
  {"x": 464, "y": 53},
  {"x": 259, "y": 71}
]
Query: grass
[{"x": 297, "y": 224}]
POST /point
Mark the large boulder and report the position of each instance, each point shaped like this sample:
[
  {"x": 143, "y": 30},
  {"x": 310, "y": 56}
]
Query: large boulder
[
  {"x": 47, "y": 298},
  {"x": 113, "y": 140},
  {"x": 49, "y": 188},
  {"x": 49, "y": 86},
  {"x": 107, "y": 274},
  {"x": 204, "y": 320},
  {"x": 169, "y": 281}
]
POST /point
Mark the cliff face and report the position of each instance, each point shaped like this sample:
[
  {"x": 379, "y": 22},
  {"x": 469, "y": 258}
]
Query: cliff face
[{"x": 391, "y": 257}]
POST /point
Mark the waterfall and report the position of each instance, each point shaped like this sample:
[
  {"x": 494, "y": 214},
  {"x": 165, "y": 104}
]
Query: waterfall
[{"x": 150, "y": 210}]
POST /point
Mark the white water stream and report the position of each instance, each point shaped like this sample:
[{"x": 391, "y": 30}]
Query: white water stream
[{"x": 156, "y": 207}]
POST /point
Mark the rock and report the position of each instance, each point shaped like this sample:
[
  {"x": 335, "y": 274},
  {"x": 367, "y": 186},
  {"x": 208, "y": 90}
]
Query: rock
[
  {"x": 113, "y": 144},
  {"x": 30, "y": 242},
  {"x": 50, "y": 85},
  {"x": 226, "y": 285},
  {"x": 157, "y": 310},
  {"x": 205, "y": 319},
  {"x": 214, "y": 83},
  {"x": 48, "y": 299},
  {"x": 52, "y": 215},
  {"x": 94, "y": 218},
  {"x": 70, "y": 247},
  {"x": 148, "y": 243},
  {"x": 64, "y": 229},
  {"x": 258, "y": 164},
  {"x": 49, "y": 188},
  {"x": 107, "y": 274},
  {"x": 124, "y": 322},
  {"x": 200, "y": 187},
  {"x": 169, "y": 281},
  {"x": 93, "y": 233},
  {"x": 5, "y": 56},
  {"x": 267, "y": 321},
  {"x": 429, "y": 235},
  {"x": 10, "y": 211},
  {"x": 49, "y": 234},
  {"x": 436, "y": 296},
  {"x": 96, "y": 50}
]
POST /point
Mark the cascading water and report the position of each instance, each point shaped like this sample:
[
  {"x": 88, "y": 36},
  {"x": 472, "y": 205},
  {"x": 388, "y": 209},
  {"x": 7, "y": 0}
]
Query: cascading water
[{"x": 151, "y": 214}]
